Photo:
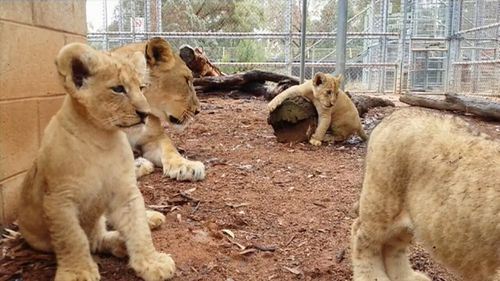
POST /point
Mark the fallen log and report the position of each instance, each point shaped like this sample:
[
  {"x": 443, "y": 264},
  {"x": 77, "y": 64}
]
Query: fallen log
[
  {"x": 238, "y": 80},
  {"x": 198, "y": 62},
  {"x": 296, "y": 118},
  {"x": 480, "y": 107},
  {"x": 430, "y": 103}
]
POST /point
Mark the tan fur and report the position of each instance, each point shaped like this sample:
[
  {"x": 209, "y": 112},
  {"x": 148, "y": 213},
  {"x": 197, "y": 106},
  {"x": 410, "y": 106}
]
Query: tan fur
[
  {"x": 429, "y": 177},
  {"x": 84, "y": 171},
  {"x": 172, "y": 99},
  {"x": 335, "y": 109}
]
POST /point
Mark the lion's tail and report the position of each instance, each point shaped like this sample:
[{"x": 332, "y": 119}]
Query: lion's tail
[{"x": 362, "y": 134}]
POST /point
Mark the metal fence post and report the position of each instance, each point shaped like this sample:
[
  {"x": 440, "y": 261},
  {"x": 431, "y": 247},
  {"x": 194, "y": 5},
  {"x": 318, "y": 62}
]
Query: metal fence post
[
  {"x": 341, "y": 37},
  {"x": 303, "y": 41},
  {"x": 105, "y": 22},
  {"x": 402, "y": 45},
  {"x": 288, "y": 41},
  {"x": 383, "y": 45}
]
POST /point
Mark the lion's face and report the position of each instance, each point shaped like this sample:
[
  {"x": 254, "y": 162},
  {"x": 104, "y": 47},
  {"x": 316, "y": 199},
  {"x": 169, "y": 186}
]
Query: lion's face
[
  {"x": 170, "y": 93},
  {"x": 326, "y": 88},
  {"x": 107, "y": 88}
]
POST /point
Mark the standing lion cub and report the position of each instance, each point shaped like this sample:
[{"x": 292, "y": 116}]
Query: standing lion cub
[
  {"x": 335, "y": 109},
  {"x": 84, "y": 171},
  {"x": 428, "y": 177}
]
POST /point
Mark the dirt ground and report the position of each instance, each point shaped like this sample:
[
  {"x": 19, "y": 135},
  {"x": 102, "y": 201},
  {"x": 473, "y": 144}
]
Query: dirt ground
[{"x": 266, "y": 211}]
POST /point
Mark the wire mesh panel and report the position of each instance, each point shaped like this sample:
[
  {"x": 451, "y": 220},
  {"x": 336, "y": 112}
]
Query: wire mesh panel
[
  {"x": 426, "y": 46},
  {"x": 477, "y": 65}
]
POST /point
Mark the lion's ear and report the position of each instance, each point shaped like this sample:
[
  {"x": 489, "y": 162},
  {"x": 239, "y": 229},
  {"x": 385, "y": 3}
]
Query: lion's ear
[
  {"x": 159, "y": 52},
  {"x": 76, "y": 62},
  {"x": 318, "y": 79}
]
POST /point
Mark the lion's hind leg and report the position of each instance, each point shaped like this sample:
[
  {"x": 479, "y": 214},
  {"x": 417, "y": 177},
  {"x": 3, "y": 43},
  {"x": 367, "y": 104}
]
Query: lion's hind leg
[
  {"x": 128, "y": 216},
  {"x": 69, "y": 240},
  {"x": 155, "y": 219},
  {"x": 395, "y": 251},
  {"x": 367, "y": 259},
  {"x": 104, "y": 241}
]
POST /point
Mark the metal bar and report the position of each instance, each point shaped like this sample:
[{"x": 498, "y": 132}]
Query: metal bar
[
  {"x": 409, "y": 83},
  {"x": 479, "y": 28},
  {"x": 341, "y": 37},
  {"x": 303, "y": 41},
  {"x": 383, "y": 44},
  {"x": 159, "y": 16},
  {"x": 105, "y": 22},
  {"x": 402, "y": 45},
  {"x": 315, "y": 64},
  {"x": 476, "y": 62},
  {"x": 147, "y": 13},
  {"x": 271, "y": 35},
  {"x": 288, "y": 41}
]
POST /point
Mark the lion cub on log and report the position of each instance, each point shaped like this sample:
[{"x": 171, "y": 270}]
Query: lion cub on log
[
  {"x": 84, "y": 171},
  {"x": 335, "y": 109},
  {"x": 428, "y": 176}
]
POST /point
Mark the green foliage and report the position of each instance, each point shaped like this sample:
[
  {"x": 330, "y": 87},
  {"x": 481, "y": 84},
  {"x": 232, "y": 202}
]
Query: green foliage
[
  {"x": 209, "y": 15},
  {"x": 243, "y": 51}
]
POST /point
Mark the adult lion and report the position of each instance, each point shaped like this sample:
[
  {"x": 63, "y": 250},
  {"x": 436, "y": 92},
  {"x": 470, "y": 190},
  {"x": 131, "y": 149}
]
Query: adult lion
[
  {"x": 172, "y": 99},
  {"x": 429, "y": 177},
  {"x": 84, "y": 171}
]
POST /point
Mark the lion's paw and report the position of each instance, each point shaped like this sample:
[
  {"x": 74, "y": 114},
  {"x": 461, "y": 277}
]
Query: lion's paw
[
  {"x": 143, "y": 167},
  {"x": 185, "y": 170},
  {"x": 155, "y": 219},
  {"x": 315, "y": 142},
  {"x": 73, "y": 274},
  {"x": 157, "y": 267}
]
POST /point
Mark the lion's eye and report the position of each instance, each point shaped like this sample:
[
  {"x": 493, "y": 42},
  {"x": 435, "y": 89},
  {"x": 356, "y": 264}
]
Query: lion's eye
[
  {"x": 142, "y": 87},
  {"x": 328, "y": 92},
  {"x": 119, "y": 89}
]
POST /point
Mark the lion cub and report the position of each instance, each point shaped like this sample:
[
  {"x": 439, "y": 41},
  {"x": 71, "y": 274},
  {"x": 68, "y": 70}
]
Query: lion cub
[
  {"x": 84, "y": 171},
  {"x": 335, "y": 109},
  {"x": 428, "y": 176}
]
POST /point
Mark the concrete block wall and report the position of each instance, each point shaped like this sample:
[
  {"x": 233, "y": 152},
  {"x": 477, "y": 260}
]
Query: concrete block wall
[{"x": 31, "y": 34}]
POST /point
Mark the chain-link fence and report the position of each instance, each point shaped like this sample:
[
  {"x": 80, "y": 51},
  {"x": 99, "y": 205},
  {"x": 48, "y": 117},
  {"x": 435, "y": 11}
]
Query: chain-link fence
[{"x": 427, "y": 46}]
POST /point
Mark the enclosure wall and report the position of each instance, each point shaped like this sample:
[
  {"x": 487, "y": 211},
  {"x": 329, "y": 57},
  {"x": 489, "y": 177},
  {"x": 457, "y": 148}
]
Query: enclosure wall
[{"x": 31, "y": 34}]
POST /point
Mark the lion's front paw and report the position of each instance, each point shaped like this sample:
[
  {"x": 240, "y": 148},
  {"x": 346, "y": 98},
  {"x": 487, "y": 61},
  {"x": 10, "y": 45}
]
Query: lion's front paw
[
  {"x": 155, "y": 219},
  {"x": 73, "y": 274},
  {"x": 185, "y": 170},
  {"x": 157, "y": 267},
  {"x": 315, "y": 142},
  {"x": 143, "y": 167}
]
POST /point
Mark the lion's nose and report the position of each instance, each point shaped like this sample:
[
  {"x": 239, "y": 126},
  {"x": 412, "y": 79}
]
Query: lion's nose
[{"x": 142, "y": 115}]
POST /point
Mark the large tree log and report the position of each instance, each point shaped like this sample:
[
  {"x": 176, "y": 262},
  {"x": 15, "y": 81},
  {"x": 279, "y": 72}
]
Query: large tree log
[
  {"x": 198, "y": 62},
  {"x": 480, "y": 107},
  {"x": 237, "y": 81},
  {"x": 296, "y": 118}
]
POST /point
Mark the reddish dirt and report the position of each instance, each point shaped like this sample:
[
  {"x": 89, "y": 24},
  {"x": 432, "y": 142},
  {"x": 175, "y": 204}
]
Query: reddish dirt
[{"x": 289, "y": 205}]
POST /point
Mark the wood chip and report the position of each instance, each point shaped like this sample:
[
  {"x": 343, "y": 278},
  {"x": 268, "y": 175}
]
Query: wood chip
[
  {"x": 238, "y": 205},
  {"x": 228, "y": 232},
  {"x": 248, "y": 251},
  {"x": 295, "y": 270},
  {"x": 265, "y": 248}
]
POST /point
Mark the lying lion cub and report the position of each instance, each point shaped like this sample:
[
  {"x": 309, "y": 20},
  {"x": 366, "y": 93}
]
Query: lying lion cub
[
  {"x": 173, "y": 100},
  {"x": 85, "y": 171},
  {"x": 335, "y": 109},
  {"x": 428, "y": 176}
]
